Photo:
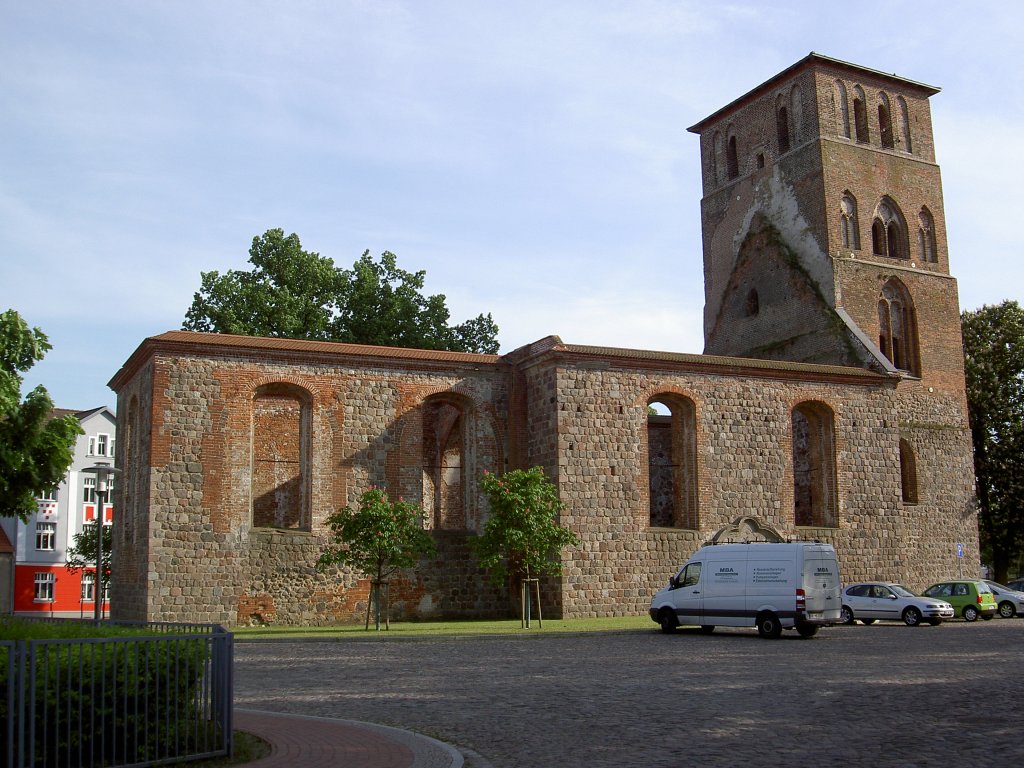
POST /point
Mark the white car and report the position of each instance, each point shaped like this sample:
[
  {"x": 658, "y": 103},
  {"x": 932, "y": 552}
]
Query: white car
[
  {"x": 875, "y": 600},
  {"x": 1011, "y": 602}
]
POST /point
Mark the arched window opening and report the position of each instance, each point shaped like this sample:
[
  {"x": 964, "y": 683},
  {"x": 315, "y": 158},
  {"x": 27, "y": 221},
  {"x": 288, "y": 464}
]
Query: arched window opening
[
  {"x": 796, "y": 114},
  {"x": 280, "y": 457},
  {"x": 716, "y": 153},
  {"x": 672, "y": 462},
  {"x": 926, "y": 236},
  {"x": 860, "y": 115},
  {"x": 897, "y": 332},
  {"x": 752, "y": 304},
  {"x": 732, "y": 159},
  {"x": 904, "y": 117},
  {"x": 908, "y": 473},
  {"x": 885, "y": 123},
  {"x": 888, "y": 231},
  {"x": 814, "y": 466},
  {"x": 843, "y": 111},
  {"x": 782, "y": 129},
  {"x": 444, "y": 465},
  {"x": 850, "y": 231}
]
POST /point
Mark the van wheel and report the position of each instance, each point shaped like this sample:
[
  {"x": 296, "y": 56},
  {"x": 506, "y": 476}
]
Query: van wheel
[
  {"x": 846, "y": 615},
  {"x": 667, "y": 620},
  {"x": 970, "y": 613},
  {"x": 768, "y": 626},
  {"x": 1007, "y": 610},
  {"x": 911, "y": 617},
  {"x": 707, "y": 629},
  {"x": 807, "y": 630}
]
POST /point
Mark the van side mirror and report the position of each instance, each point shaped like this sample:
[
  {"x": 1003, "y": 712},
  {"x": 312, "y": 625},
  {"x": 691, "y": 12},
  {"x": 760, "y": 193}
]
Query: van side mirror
[{"x": 672, "y": 583}]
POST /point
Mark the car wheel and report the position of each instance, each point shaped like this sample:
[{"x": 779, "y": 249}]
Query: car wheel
[
  {"x": 768, "y": 626},
  {"x": 1007, "y": 610},
  {"x": 667, "y": 620},
  {"x": 707, "y": 629},
  {"x": 970, "y": 613},
  {"x": 846, "y": 615},
  {"x": 911, "y": 617},
  {"x": 867, "y": 621},
  {"x": 807, "y": 630}
]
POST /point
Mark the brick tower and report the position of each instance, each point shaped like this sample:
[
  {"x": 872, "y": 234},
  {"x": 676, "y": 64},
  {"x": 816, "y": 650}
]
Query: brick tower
[{"x": 825, "y": 242}]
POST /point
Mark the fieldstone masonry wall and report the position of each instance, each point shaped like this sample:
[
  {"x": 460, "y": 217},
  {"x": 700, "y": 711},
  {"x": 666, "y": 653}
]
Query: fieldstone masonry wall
[{"x": 238, "y": 449}]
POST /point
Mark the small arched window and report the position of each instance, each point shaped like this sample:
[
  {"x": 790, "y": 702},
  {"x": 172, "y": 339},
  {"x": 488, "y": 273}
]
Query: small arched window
[
  {"x": 888, "y": 231},
  {"x": 908, "y": 473},
  {"x": 782, "y": 128},
  {"x": 814, "y": 465},
  {"x": 850, "y": 231},
  {"x": 904, "y": 117},
  {"x": 716, "y": 153},
  {"x": 672, "y": 461},
  {"x": 279, "y": 476},
  {"x": 842, "y": 110},
  {"x": 732, "y": 160},
  {"x": 897, "y": 327},
  {"x": 860, "y": 115},
  {"x": 926, "y": 236},
  {"x": 885, "y": 122},
  {"x": 752, "y": 305}
]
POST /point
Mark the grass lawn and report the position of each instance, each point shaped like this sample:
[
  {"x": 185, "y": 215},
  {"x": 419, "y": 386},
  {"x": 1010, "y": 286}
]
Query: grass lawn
[{"x": 428, "y": 629}]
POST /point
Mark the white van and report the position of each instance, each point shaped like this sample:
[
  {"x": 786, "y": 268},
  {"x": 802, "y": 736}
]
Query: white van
[{"x": 771, "y": 586}]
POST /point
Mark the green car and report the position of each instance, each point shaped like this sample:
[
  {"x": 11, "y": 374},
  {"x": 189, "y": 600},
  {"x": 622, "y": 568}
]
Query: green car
[{"x": 970, "y": 598}]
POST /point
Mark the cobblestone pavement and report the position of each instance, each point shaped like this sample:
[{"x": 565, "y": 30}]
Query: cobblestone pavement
[{"x": 884, "y": 695}]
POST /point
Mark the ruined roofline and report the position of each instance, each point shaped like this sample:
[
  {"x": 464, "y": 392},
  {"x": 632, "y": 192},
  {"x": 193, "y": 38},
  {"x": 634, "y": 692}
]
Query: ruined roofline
[
  {"x": 808, "y": 61},
  {"x": 221, "y": 343}
]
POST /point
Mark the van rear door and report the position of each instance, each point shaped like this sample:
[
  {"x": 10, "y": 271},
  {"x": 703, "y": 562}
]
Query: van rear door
[{"x": 820, "y": 582}]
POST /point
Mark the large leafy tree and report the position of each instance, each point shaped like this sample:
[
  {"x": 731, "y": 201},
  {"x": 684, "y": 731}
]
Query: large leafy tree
[
  {"x": 994, "y": 367},
  {"x": 377, "y": 540},
  {"x": 522, "y": 538},
  {"x": 35, "y": 448},
  {"x": 297, "y": 294}
]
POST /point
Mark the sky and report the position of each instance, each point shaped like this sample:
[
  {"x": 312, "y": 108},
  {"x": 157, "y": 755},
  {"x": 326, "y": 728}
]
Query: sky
[{"x": 531, "y": 157}]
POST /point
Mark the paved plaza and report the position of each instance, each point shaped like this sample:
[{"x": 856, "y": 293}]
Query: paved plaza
[{"x": 884, "y": 695}]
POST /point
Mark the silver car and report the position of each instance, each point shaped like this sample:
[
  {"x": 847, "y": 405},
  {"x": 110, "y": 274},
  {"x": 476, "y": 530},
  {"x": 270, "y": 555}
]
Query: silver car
[
  {"x": 1011, "y": 602},
  {"x": 875, "y": 600}
]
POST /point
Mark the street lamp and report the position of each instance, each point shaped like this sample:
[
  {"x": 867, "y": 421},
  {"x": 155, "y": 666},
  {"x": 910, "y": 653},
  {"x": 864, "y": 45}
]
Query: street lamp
[{"x": 104, "y": 472}]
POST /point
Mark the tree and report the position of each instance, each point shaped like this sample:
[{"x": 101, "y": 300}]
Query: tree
[
  {"x": 82, "y": 555},
  {"x": 378, "y": 540},
  {"x": 35, "y": 448},
  {"x": 296, "y": 294},
  {"x": 522, "y": 538},
  {"x": 994, "y": 369}
]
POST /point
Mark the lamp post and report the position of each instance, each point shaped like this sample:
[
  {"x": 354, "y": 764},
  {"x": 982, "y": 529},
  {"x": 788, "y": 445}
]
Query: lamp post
[{"x": 103, "y": 472}]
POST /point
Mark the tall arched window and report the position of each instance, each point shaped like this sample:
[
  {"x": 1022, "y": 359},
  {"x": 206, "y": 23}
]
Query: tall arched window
[
  {"x": 908, "y": 473},
  {"x": 926, "y": 236},
  {"x": 849, "y": 228},
  {"x": 732, "y": 160},
  {"x": 885, "y": 122},
  {"x": 888, "y": 231},
  {"x": 444, "y": 463},
  {"x": 716, "y": 155},
  {"x": 672, "y": 461},
  {"x": 796, "y": 114},
  {"x": 897, "y": 327},
  {"x": 782, "y": 126},
  {"x": 815, "y": 501},
  {"x": 281, "y": 425},
  {"x": 842, "y": 110},
  {"x": 860, "y": 115},
  {"x": 904, "y": 118}
]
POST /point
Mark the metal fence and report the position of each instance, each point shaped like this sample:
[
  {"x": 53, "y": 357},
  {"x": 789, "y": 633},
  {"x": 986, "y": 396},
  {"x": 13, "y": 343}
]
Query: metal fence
[{"x": 143, "y": 699}]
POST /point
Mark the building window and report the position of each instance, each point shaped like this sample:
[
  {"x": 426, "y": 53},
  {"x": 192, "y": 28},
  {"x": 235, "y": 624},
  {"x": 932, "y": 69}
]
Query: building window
[
  {"x": 888, "y": 231},
  {"x": 44, "y": 587},
  {"x": 860, "y": 115},
  {"x": 46, "y": 536},
  {"x": 848, "y": 222},
  {"x": 885, "y": 123},
  {"x": 89, "y": 490},
  {"x": 908, "y": 473},
  {"x": 904, "y": 118},
  {"x": 101, "y": 444},
  {"x": 897, "y": 334},
  {"x": 814, "y": 466},
  {"x": 88, "y": 586},
  {"x": 281, "y": 427},
  {"x": 752, "y": 305},
  {"x": 782, "y": 129},
  {"x": 672, "y": 462},
  {"x": 926, "y": 236},
  {"x": 716, "y": 153},
  {"x": 842, "y": 110},
  {"x": 732, "y": 158}
]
